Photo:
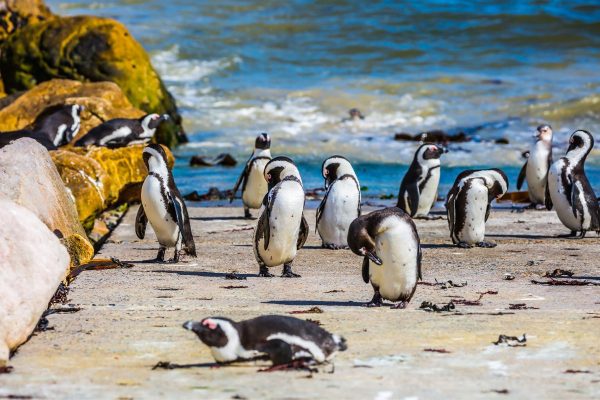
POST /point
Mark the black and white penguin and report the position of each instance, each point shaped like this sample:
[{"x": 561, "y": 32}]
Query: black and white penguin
[
  {"x": 282, "y": 229},
  {"x": 569, "y": 190},
  {"x": 164, "y": 207},
  {"x": 418, "y": 190},
  {"x": 468, "y": 205},
  {"x": 281, "y": 339},
  {"x": 389, "y": 242},
  {"x": 121, "y": 132},
  {"x": 252, "y": 179},
  {"x": 535, "y": 169},
  {"x": 54, "y": 127},
  {"x": 341, "y": 203}
]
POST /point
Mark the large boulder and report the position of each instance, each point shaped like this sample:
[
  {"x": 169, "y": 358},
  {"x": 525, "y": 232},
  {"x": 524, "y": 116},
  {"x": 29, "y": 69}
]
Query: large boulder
[
  {"x": 33, "y": 262},
  {"x": 86, "y": 48},
  {"x": 15, "y": 14},
  {"x": 29, "y": 178}
]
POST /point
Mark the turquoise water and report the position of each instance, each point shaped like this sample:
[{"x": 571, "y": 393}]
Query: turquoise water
[{"x": 294, "y": 68}]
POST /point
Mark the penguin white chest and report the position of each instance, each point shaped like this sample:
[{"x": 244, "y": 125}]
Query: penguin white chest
[
  {"x": 155, "y": 207},
  {"x": 560, "y": 201},
  {"x": 256, "y": 185},
  {"x": 429, "y": 193},
  {"x": 339, "y": 212},
  {"x": 537, "y": 172},
  {"x": 473, "y": 230}
]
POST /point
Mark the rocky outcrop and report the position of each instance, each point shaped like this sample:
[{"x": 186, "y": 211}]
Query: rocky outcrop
[
  {"x": 29, "y": 178},
  {"x": 33, "y": 262},
  {"x": 15, "y": 14}
]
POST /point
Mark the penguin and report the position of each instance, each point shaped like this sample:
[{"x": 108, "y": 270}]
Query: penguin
[
  {"x": 280, "y": 339},
  {"x": 418, "y": 190},
  {"x": 281, "y": 229},
  {"x": 389, "y": 242},
  {"x": 468, "y": 205},
  {"x": 569, "y": 190},
  {"x": 341, "y": 203},
  {"x": 254, "y": 185},
  {"x": 54, "y": 127},
  {"x": 121, "y": 132},
  {"x": 535, "y": 169},
  {"x": 164, "y": 207}
]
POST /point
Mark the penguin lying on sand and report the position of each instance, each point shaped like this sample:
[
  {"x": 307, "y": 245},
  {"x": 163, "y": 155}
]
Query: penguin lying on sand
[
  {"x": 164, "y": 207},
  {"x": 569, "y": 190},
  {"x": 121, "y": 132},
  {"x": 252, "y": 179},
  {"x": 341, "y": 204},
  {"x": 389, "y": 242},
  {"x": 468, "y": 205},
  {"x": 418, "y": 190},
  {"x": 281, "y": 339},
  {"x": 281, "y": 229},
  {"x": 535, "y": 169},
  {"x": 54, "y": 127}
]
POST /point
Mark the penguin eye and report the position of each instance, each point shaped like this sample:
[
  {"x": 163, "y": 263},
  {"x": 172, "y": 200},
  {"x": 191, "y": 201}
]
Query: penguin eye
[
  {"x": 268, "y": 177},
  {"x": 326, "y": 172}
]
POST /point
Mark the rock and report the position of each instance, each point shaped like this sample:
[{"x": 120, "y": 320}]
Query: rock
[
  {"x": 33, "y": 263},
  {"x": 15, "y": 14},
  {"x": 89, "y": 49},
  {"x": 434, "y": 136},
  {"x": 223, "y": 159},
  {"x": 501, "y": 141},
  {"x": 213, "y": 194},
  {"x": 29, "y": 178}
]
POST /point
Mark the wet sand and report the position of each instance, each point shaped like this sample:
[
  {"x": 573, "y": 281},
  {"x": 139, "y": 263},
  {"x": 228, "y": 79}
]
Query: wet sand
[{"x": 130, "y": 319}]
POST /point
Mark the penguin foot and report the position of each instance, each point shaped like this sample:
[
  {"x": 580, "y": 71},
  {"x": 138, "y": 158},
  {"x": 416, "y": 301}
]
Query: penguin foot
[
  {"x": 486, "y": 245},
  {"x": 160, "y": 257},
  {"x": 301, "y": 364},
  {"x": 582, "y": 234},
  {"x": 264, "y": 272},
  {"x": 247, "y": 214},
  {"x": 540, "y": 207},
  {"x": 332, "y": 246},
  {"x": 399, "y": 306},
  {"x": 287, "y": 272},
  {"x": 376, "y": 301},
  {"x": 568, "y": 235},
  {"x": 175, "y": 258},
  {"x": 430, "y": 217},
  {"x": 464, "y": 245}
]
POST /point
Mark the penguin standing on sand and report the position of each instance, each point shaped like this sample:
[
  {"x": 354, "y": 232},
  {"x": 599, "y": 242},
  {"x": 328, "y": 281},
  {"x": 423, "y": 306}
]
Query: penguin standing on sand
[
  {"x": 252, "y": 179},
  {"x": 418, "y": 190},
  {"x": 164, "y": 207},
  {"x": 389, "y": 242},
  {"x": 569, "y": 190},
  {"x": 121, "y": 132},
  {"x": 281, "y": 339},
  {"x": 468, "y": 205},
  {"x": 341, "y": 204},
  {"x": 281, "y": 229},
  {"x": 535, "y": 169}
]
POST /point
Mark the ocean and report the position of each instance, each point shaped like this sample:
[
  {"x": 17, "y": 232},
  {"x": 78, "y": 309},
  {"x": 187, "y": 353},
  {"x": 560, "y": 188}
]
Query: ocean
[{"x": 293, "y": 69}]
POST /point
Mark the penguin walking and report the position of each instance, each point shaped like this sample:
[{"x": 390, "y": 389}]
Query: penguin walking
[
  {"x": 54, "y": 127},
  {"x": 341, "y": 204},
  {"x": 164, "y": 207},
  {"x": 252, "y": 179},
  {"x": 281, "y": 229},
  {"x": 389, "y": 242},
  {"x": 418, "y": 190},
  {"x": 121, "y": 132},
  {"x": 281, "y": 339},
  {"x": 468, "y": 205},
  {"x": 535, "y": 169},
  {"x": 569, "y": 190}
]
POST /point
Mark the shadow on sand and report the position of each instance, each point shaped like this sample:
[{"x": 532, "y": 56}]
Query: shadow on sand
[{"x": 315, "y": 303}]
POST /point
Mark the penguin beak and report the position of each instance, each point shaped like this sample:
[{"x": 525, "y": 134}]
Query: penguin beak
[
  {"x": 164, "y": 117},
  {"x": 371, "y": 255},
  {"x": 193, "y": 326}
]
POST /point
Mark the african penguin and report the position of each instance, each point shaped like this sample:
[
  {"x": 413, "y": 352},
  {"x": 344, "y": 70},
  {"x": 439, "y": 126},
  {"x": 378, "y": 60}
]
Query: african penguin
[
  {"x": 535, "y": 169},
  {"x": 164, "y": 207},
  {"x": 418, "y": 190},
  {"x": 281, "y": 339},
  {"x": 54, "y": 127},
  {"x": 389, "y": 242},
  {"x": 569, "y": 190},
  {"x": 281, "y": 229},
  {"x": 254, "y": 185},
  {"x": 121, "y": 132},
  {"x": 341, "y": 203},
  {"x": 468, "y": 205}
]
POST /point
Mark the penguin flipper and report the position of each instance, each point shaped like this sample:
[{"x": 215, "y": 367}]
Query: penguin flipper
[
  {"x": 242, "y": 178},
  {"x": 322, "y": 206},
  {"x": 303, "y": 235},
  {"x": 413, "y": 198},
  {"x": 365, "y": 270},
  {"x": 278, "y": 351},
  {"x": 582, "y": 188},
  {"x": 522, "y": 175},
  {"x": 262, "y": 228},
  {"x": 547, "y": 198},
  {"x": 183, "y": 222},
  {"x": 141, "y": 221}
]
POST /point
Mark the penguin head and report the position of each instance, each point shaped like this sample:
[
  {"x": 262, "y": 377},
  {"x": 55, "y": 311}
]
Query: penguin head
[
  {"x": 543, "y": 133},
  {"x": 429, "y": 153},
  {"x": 335, "y": 167},
  {"x": 263, "y": 141},
  {"x": 150, "y": 122},
  {"x": 580, "y": 144},
  {"x": 497, "y": 183},
  {"x": 355, "y": 114},
  {"x": 209, "y": 331},
  {"x": 60, "y": 122},
  {"x": 360, "y": 240},
  {"x": 278, "y": 169},
  {"x": 155, "y": 159}
]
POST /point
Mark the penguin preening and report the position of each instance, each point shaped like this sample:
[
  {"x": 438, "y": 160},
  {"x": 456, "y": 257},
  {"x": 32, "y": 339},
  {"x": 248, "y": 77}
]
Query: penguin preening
[
  {"x": 389, "y": 242},
  {"x": 569, "y": 192},
  {"x": 252, "y": 179},
  {"x": 281, "y": 229},
  {"x": 535, "y": 169},
  {"x": 418, "y": 190},
  {"x": 468, "y": 205},
  {"x": 121, "y": 132},
  {"x": 54, "y": 127},
  {"x": 341, "y": 203},
  {"x": 164, "y": 207},
  {"x": 281, "y": 339}
]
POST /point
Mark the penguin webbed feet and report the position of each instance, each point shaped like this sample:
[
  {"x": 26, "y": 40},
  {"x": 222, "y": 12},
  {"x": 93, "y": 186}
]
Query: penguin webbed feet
[
  {"x": 486, "y": 245},
  {"x": 332, "y": 246},
  {"x": 376, "y": 301},
  {"x": 568, "y": 235},
  {"x": 160, "y": 256},
  {"x": 582, "y": 234},
  {"x": 175, "y": 258},
  {"x": 401, "y": 305},
  {"x": 429, "y": 217},
  {"x": 264, "y": 272},
  {"x": 464, "y": 245},
  {"x": 247, "y": 213},
  {"x": 288, "y": 273}
]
